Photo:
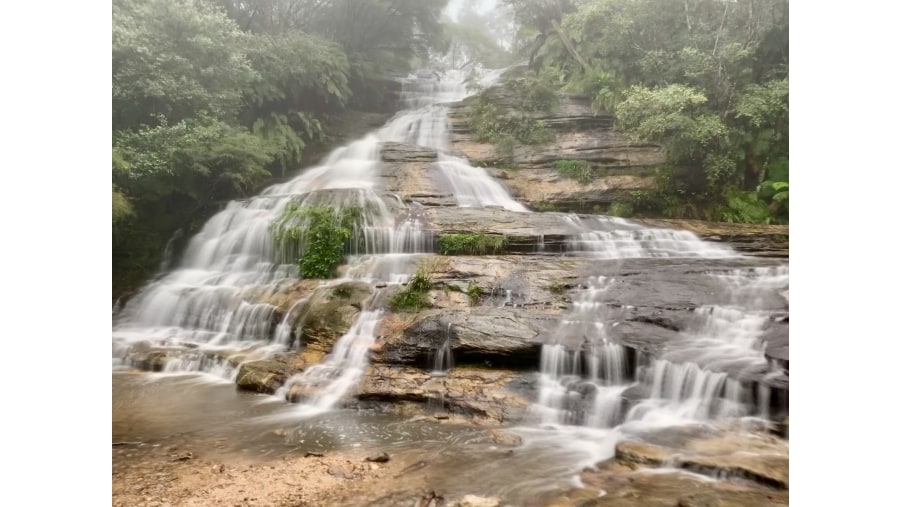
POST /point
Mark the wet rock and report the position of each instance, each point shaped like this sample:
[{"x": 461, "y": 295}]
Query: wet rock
[
  {"x": 478, "y": 335},
  {"x": 576, "y": 497},
  {"x": 544, "y": 187},
  {"x": 641, "y": 454},
  {"x": 150, "y": 360},
  {"x": 479, "y": 394},
  {"x": 381, "y": 457},
  {"x": 756, "y": 456},
  {"x": 406, "y": 172},
  {"x": 524, "y": 232},
  {"x": 505, "y": 438},
  {"x": 625, "y": 488},
  {"x": 476, "y": 501},
  {"x": 430, "y": 499},
  {"x": 339, "y": 471},
  {"x": 733, "y": 499},
  {"x": 329, "y": 316},
  {"x": 264, "y": 376},
  {"x": 399, "y": 152}
]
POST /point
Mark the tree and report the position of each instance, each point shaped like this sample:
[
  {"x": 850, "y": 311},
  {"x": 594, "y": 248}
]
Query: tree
[
  {"x": 705, "y": 78},
  {"x": 175, "y": 58}
]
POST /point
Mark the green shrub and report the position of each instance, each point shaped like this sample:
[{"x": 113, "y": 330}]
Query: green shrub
[
  {"x": 471, "y": 244},
  {"x": 579, "y": 170},
  {"x": 474, "y": 292},
  {"x": 318, "y": 234},
  {"x": 621, "y": 209},
  {"x": 414, "y": 296},
  {"x": 546, "y": 206},
  {"x": 490, "y": 126}
]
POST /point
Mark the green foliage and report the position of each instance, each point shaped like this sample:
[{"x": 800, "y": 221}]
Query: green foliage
[
  {"x": 211, "y": 97},
  {"x": 535, "y": 94},
  {"x": 546, "y": 206},
  {"x": 707, "y": 80},
  {"x": 621, "y": 209},
  {"x": 471, "y": 244},
  {"x": 175, "y": 58},
  {"x": 674, "y": 116},
  {"x": 121, "y": 208},
  {"x": 745, "y": 207},
  {"x": 319, "y": 235},
  {"x": 414, "y": 296},
  {"x": 297, "y": 71},
  {"x": 776, "y": 193},
  {"x": 579, "y": 170},
  {"x": 474, "y": 292},
  {"x": 200, "y": 159},
  {"x": 490, "y": 126},
  {"x": 391, "y": 34}
]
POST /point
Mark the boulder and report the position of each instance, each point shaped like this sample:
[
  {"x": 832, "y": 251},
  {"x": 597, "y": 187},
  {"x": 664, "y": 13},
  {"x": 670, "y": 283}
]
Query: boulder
[
  {"x": 479, "y": 335},
  {"x": 263, "y": 376},
  {"x": 330, "y": 313},
  {"x": 476, "y": 393},
  {"x": 753, "y": 455}
]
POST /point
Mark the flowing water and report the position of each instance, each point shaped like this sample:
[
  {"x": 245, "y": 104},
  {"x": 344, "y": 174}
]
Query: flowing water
[{"x": 219, "y": 302}]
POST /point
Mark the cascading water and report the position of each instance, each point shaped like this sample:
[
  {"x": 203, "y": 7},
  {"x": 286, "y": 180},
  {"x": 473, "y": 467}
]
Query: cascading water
[
  {"x": 218, "y": 300},
  {"x": 443, "y": 357},
  {"x": 324, "y": 384},
  {"x": 593, "y": 392},
  {"x": 471, "y": 186},
  {"x": 583, "y": 372},
  {"x": 606, "y": 237}
]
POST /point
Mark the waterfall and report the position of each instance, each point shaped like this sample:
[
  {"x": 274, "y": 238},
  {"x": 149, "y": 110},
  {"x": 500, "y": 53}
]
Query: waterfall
[
  {"x": 606, "y": 237},
  {"x": 218, "y": 306},
  {"x": 471, "y": 186},
  {"x": 584, "y": 375},
  {"x": 327, "y": 382},
  {"x": 443, "y": 356}
]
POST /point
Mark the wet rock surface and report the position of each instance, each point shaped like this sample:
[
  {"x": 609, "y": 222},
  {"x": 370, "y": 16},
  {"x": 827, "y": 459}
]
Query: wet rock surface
[
  {"x": 264, "y": 376},
  {"x": 755, "y": 456},
  {"x": 498, "y": 336},
  {"x": 324, "y": 319},
  {"x": 479, "y": 394}
]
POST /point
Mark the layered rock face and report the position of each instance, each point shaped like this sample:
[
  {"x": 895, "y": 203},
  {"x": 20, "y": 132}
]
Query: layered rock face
[{"x": 579, "y": 134}]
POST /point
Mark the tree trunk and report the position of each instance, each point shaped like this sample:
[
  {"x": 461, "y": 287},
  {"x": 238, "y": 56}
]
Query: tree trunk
[{"x": 570, "y": 47}]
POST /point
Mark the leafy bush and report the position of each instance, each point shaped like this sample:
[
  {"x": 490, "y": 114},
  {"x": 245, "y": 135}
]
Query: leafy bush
[
  {"x": 745, "y": 207},
  {"x": 414, "y": 296},
  {"x": 621, "y": 209},
  {"x": 471, "y": 244},
  {"x": 579, "y": 170},
  {"x": 318, "y": 234},
  {"x": 490, "y": 126},
  {"x": 535, "y": 94},
  {"x": 474, "y": 292}
]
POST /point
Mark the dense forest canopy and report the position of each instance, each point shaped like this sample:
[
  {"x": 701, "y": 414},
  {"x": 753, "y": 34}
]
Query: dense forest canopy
[
  {"x": 212, "y": 99},
  {"x": 708, "y": 79}
]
